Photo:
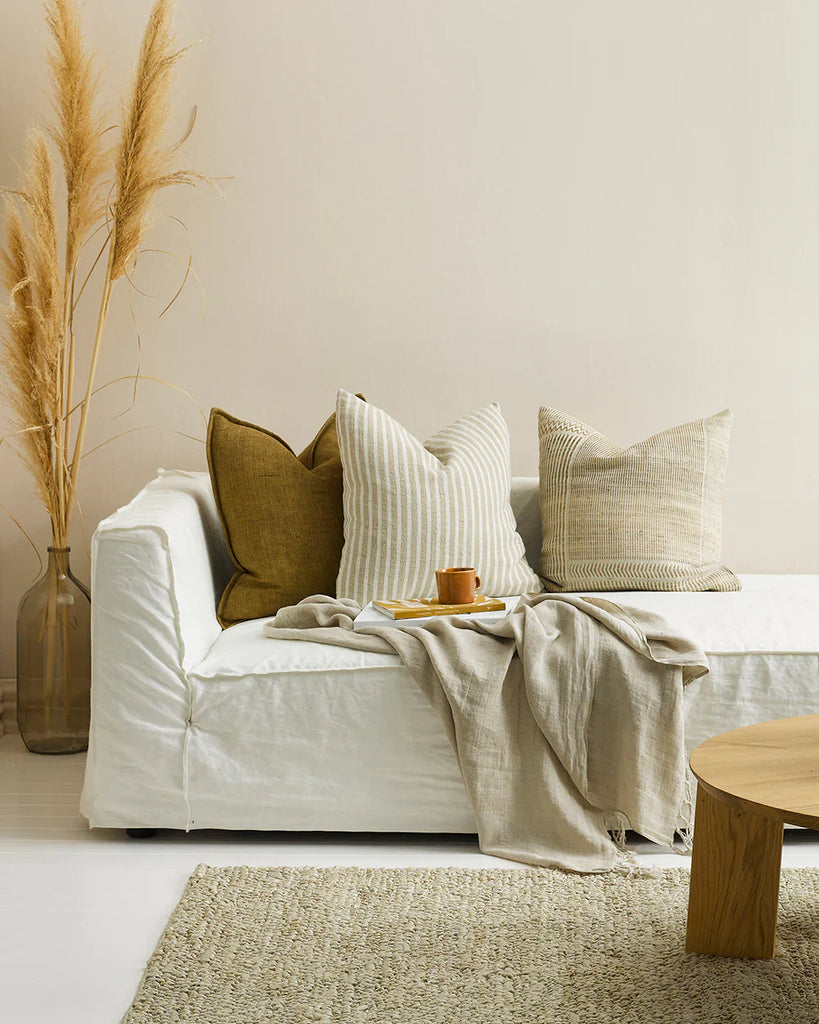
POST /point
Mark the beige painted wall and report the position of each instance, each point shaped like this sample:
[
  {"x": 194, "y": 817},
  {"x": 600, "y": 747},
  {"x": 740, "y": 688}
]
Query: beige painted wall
[{"x": 610, "y": 208}]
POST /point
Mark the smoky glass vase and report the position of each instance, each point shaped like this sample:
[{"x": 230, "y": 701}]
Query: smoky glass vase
[{"x": 54, "y": 660}]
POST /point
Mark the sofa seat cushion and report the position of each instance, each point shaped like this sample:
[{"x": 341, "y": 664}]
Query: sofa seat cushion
[
  {"x": 778, "y": 613},
  {"x": 243, "y": 650},
  {"x": 298, "y": 735}
]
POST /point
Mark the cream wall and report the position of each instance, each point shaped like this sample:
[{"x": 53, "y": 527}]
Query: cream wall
[{"x": 610, "y": 208}]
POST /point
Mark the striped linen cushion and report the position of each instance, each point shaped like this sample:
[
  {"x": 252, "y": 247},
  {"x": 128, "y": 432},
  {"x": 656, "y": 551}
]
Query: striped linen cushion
[
  {"x": 412, "y": 508},
  {"x": 647, "y": 517}
]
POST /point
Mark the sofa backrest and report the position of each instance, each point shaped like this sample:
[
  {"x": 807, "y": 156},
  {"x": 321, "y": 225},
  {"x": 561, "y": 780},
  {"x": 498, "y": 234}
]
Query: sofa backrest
[{"x": 526, "y": 506}]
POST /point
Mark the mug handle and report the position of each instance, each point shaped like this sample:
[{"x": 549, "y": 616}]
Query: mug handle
[{"x": 477, "y": 581}]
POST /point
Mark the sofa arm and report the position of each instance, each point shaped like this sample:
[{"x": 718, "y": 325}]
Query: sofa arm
[
  {"x": 158, "y": 567},
  {"x": 175, "y": 523}
]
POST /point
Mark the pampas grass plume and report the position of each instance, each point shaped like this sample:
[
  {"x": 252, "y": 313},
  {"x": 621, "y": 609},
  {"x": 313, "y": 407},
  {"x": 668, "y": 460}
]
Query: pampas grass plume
[
  {"x": 143, "y": 163},
  {"x": 79, "y": 127}
]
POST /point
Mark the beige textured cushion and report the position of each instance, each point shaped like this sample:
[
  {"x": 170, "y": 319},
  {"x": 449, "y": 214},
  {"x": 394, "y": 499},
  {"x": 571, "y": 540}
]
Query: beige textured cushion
[
  {"x": 648, "y": 517},
  {"x": 411, "y": 508}
]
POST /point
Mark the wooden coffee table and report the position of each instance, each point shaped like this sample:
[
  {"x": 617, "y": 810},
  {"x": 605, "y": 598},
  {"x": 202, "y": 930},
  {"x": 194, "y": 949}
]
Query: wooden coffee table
[{"x": 750, "y": 782}]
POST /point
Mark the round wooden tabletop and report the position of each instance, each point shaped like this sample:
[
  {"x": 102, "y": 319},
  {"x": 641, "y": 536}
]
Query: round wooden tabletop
[{"x": 770, "y": 769}]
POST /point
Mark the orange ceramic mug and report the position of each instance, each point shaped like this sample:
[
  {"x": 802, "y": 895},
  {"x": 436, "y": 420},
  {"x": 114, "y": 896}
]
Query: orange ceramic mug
[{"x": 457, "y": 586}]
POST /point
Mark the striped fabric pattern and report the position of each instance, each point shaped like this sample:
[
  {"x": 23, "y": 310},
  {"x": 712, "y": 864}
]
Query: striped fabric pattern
[
  {"x": 648, "y": 517},
  {"x": 411, "y": 508}
]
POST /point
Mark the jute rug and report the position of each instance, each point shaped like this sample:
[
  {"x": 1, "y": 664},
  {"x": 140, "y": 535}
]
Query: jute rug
[{"x": 421, "y": 946}]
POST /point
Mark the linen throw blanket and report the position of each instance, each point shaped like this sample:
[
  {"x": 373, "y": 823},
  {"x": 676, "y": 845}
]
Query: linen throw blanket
[{"x": 566, "y": 716}]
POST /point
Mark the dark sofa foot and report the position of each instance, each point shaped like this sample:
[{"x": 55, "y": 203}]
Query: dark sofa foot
[{"x": 141, "y": 833}]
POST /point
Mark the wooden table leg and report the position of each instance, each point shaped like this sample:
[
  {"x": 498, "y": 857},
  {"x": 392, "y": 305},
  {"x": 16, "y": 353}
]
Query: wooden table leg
[{"x": 734, "y": 890}]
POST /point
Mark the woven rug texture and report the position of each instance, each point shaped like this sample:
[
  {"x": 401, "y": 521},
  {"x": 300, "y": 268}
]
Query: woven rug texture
[{"x": 450, "y": 945}]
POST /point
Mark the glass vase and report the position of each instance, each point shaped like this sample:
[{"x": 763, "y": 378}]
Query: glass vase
[{"x": 54, "y": 660}]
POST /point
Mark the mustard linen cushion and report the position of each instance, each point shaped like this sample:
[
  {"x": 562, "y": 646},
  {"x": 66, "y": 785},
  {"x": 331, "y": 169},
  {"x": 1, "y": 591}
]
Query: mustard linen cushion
[{"x": 281, "y": 513}]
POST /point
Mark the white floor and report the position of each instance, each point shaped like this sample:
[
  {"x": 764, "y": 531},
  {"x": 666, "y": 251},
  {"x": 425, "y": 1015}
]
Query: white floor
[{"x": 81, "y": 911}]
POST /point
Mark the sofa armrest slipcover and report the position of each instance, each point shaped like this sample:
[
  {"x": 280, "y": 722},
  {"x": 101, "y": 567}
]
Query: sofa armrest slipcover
[{"x": 158, "y": 567}]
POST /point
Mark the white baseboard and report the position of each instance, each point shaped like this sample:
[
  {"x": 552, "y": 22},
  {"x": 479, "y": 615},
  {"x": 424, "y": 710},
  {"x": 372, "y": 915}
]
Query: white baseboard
[{"x": 8, "y": 705}]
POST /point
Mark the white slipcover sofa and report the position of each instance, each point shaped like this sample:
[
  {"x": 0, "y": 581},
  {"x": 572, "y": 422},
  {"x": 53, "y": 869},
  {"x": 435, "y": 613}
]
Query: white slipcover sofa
[{"x": 195, "y": 727}]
